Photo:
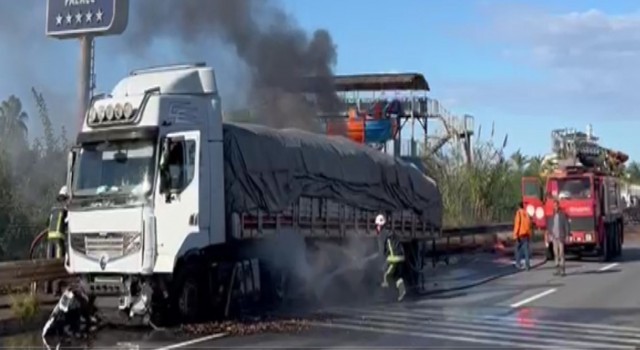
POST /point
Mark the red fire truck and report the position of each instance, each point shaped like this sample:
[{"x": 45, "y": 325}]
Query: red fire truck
[{"x": 586, "y": 183}]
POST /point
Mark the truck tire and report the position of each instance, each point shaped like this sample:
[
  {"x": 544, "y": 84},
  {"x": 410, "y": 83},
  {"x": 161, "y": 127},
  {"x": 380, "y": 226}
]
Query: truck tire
[
  {"x": 620, "y": 237},
  {"x": 189, "y": 289},
  {"x": 619, "y": 231},
  {"x": 605, "y": 250}
]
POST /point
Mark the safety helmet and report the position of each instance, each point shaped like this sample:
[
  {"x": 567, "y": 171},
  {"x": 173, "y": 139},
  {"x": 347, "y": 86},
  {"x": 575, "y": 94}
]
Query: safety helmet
[
  {"x": 63, "y": 191},
  {"x": 63, "y": 194},
  {"x": 380, "y": 220}
]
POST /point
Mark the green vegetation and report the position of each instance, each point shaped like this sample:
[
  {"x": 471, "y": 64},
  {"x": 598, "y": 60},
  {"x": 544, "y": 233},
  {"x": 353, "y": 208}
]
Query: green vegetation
[
  {"x": 31, "y": 173},
  {"x": 24, "y": 306},
  {"x": 487, "y": 190}
]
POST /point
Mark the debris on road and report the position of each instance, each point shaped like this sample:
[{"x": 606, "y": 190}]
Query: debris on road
[{"x": 247, "y": 327}]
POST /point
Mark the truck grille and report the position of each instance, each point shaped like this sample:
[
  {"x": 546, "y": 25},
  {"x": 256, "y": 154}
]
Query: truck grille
[
  {"x": 95, "y": 245},
  {"x": 582, "y": 224}
]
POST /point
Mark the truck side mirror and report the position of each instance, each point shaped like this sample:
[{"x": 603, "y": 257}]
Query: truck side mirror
[
  {"x": 71, "y": 160},
  {"x": 163, "y": 166},
  {"x": 164, "y": 154}
]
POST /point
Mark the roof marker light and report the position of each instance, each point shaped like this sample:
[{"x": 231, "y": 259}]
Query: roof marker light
[
  {"x": 119, "y": 114},
  {"x": 128, "y": 110},
  {"x": 109, "y": 112}
]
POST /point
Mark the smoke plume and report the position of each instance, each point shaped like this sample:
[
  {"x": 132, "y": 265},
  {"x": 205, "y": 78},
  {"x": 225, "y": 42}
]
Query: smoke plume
[{"x": 274, "y": 51}]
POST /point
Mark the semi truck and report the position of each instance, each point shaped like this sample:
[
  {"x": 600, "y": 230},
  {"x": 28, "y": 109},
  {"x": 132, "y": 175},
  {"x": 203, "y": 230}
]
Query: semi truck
[
  {"x": 173, "y": 213},
  {"x": 585, "y": 179}
]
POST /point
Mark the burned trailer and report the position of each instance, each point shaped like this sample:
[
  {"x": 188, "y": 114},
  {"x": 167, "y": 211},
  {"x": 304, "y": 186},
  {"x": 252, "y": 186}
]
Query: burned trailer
[{"x": 286, "y": 176}]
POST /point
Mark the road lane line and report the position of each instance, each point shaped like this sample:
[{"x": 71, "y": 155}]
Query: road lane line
[
  {"x": 192, "y": 341},
  {"x": 452, "y": 331},
  {"x": 532, "y": 298},
  {"x": 609, "y": 267},
  {"x": 502, "y": 325},
  {"x": 498, "y": 329},
  {"x": 589, "y": 326},
  {"x": 425, "y": 334}
]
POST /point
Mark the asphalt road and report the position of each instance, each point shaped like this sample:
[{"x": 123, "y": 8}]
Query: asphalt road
[{"x": 596, "y": 306}]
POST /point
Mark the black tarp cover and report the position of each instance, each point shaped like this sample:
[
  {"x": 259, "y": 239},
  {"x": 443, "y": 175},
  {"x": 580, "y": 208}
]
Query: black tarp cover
[{"x": 270, "y": 169}]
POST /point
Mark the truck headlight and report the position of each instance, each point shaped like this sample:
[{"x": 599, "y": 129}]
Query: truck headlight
[
  {"x": 539, "y": 213},
  {"x": 133, "y": 243}
]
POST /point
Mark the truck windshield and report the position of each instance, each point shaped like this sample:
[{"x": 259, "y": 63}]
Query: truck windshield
[
  {"x": 571, "y": 188},
  {"x": 114, "y": 168}
]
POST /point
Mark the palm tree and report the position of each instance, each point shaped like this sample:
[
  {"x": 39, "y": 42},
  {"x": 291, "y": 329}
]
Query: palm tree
[
  {"x": 519, "y": 161},
  {"x": 633, "y": 172},
  {"x": 13, "y": 121},
  {"x": 534, "y": 166}
]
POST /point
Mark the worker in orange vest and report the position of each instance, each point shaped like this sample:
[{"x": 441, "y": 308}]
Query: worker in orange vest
[{"x": 522, "y": 235}]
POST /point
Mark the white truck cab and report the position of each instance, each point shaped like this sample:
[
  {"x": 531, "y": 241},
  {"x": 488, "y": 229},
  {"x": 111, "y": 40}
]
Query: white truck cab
[{"x": 137, "y": 177}]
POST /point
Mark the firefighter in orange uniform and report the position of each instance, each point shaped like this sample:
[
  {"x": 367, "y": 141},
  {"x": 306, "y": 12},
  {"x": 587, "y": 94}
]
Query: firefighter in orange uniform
[{"x": 522, "y": 235}]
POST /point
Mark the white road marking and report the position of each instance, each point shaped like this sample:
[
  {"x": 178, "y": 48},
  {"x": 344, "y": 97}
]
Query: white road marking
[
  {"x": 609, "y": 267},
  {"x": 192, "y": 341},
  {"x": 479, "y": 333},
  {"x": 532, "y": 298},
  {"x": 459, "y": 325},
  {"x": 509, "y": 321},
  {"x": 456, "y": 328},
  {"x": 426, "y": 334}
]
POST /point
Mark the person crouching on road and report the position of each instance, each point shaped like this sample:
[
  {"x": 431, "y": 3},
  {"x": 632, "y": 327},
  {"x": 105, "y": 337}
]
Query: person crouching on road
[
  {"x": 522, "y": 235},
  {"x": 558, "y": 230},
  {"x": 393, "y": 251}
]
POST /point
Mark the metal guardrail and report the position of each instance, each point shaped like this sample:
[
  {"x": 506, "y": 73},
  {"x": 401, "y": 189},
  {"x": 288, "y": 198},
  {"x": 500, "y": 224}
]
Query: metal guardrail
[
  {"x": 22, "y": 273},
  {"x": 27, "y": 271}
]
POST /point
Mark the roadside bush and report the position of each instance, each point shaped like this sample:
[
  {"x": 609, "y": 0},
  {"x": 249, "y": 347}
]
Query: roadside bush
[
  {"x": 487, "y": 190},
  {"x": 25, "y": 306}
]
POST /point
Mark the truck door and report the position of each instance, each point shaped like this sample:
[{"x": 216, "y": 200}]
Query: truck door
[
  {"x": 532, "y": 198},
  {"x": 177, "y": 197}
]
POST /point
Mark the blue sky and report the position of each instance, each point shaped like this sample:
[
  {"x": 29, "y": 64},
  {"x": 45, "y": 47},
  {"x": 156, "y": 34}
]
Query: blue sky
[{"x": 528, "y": 66}]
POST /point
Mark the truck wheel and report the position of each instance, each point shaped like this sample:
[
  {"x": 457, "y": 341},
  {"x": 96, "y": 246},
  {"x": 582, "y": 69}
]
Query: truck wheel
[
  {"x": 188, "y": 291},
  {"x": 619, "y": 240},
  {"x": 605, "y": 250},
  {"x": 188, "y": 300}
]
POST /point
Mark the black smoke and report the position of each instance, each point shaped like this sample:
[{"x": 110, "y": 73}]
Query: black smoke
[{"x": 272, "y": 49}]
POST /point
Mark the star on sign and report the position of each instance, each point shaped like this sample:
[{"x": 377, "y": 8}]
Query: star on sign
[
  {"x": 78, "y": 17},
  {"x": 88, "y": 16},
  {"x": 68, "y": 18},
  {"x": 58, "y": 20},
  {"x": 99, "y": 15}
]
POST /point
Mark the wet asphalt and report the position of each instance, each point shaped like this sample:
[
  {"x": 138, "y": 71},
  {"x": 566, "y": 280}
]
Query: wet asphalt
[{"x": 595, "y": 306}]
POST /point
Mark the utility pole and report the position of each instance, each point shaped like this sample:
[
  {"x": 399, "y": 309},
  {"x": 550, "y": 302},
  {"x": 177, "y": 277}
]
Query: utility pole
[{"x": 85, "y": 81}]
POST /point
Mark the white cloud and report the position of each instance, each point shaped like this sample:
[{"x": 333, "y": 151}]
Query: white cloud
[{"x": 587, "y": 62}]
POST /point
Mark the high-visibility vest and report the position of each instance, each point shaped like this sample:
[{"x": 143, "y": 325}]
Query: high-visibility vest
[
  {"x": 522, "y": 224},
  {"x": 56, "y": 224},
  {"x": 394, "y": 256}
]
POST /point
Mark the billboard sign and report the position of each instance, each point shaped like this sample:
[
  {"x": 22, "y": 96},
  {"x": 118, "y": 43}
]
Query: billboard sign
[{"x": 75, "y": 18}]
